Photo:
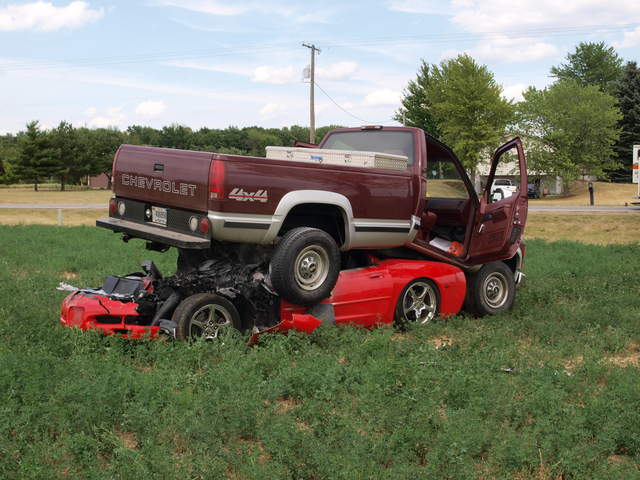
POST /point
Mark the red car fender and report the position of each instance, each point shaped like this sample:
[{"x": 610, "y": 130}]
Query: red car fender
[
  {"x": 449, "y": 279},
  {"x": 111, "y": 317}
]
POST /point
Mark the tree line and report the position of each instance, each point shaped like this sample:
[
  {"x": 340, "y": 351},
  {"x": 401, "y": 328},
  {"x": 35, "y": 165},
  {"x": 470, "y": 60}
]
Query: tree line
[
  {"x": 67, "y": 155},
  {"x": 585, "y": 122}
]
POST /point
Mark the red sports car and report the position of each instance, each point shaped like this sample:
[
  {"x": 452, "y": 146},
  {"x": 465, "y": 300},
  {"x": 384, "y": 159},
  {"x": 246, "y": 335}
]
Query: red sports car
[{"x": 386, "y": 291}]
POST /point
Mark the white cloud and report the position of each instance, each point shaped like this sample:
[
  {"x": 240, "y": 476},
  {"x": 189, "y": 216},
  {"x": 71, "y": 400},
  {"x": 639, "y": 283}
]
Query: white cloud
[
  {"x": 517, "y": 31},
  {"x": 294, "y": 13},
  {"x": 151, "y": 108},
  {"x": 113, "y": 118},
  {"x": 507, "y": 15},
  {"x": 430, "y": 7},
  {"x": 382, "y": 97},
  {"x": 45, "y": 16},
  {"x": 211, "y": 7},
  {"x": 631, "y": 39},
  {"x": 91, "y": 111},
  {"x": 275, "y": 75},
  {"x": 270, "y": 110},
  {"x": 212, "y": 67},
  {"x": 337, "y": 71},
  {"x": 514, "y": 92},
  {"x": 506, "y": 49}
]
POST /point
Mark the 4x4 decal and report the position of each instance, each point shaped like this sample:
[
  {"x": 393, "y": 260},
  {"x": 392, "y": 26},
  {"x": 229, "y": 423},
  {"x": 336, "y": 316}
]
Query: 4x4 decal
[{"x": 244, "y": 196}]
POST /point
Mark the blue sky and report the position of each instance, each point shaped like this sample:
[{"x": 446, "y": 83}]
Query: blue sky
[{"x": 218, "y": 63}]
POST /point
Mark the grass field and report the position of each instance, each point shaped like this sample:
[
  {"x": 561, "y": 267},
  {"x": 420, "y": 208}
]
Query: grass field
[
  {"x": 547, "y": 391},
  {"x": 42, "y": 216},
  {"x": 26, "y": 195},
  {"x": 605, "y": 194},
  {"x": 591, "y": 228}
]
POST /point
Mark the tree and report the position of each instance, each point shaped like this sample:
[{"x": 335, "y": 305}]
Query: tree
[
  {"x": 467, "y": 105},
  {"x": 98, "y": 147},
  {"x": 8, "y": 155},
  {"x": 628, "y": 96},
  {"x": 32, "y": 163},
  {"x": 176, "y": 136},
  {"x": 592, "y": 64},
  {"x": 69, "y": 161},
  {"x": 414, "y": 111},
  {"x": 139, "y": 135},
  {"x": 570, "y": 129}
]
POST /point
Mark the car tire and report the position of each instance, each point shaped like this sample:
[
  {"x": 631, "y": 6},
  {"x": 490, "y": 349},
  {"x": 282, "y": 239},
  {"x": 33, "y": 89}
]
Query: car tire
[
  {"x": 305, "y": 266},
  {"x": 205, "y": 316},
  {"x": 501, "y": 193},
  {"x": 419, "y": 302},
  {"x": 491, "y": 290}
]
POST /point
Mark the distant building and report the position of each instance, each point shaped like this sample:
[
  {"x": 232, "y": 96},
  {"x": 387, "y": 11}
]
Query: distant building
[
  {"x": 99, "y": 181},
  {"x": 510, "y": 170}
]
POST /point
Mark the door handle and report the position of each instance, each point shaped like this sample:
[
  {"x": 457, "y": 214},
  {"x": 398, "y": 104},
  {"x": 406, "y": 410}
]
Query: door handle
[{"x": 376, "y": 275}]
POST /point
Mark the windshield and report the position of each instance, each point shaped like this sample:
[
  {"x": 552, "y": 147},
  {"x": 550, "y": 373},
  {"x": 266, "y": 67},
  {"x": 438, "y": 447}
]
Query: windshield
[
  {"x": 502, "y": 182},
  {"x": 390, "y": 141}
]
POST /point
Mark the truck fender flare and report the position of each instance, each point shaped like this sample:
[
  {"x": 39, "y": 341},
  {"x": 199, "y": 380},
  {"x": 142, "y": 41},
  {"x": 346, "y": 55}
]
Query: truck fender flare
[{"x": 300, "y": 197}]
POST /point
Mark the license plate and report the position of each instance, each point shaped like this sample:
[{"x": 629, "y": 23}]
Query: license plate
[{"x": 159, "y": 215}]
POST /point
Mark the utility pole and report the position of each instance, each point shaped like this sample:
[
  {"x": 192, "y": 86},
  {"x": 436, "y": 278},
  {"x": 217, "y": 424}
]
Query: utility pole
[{"x": 312, "y": 109}]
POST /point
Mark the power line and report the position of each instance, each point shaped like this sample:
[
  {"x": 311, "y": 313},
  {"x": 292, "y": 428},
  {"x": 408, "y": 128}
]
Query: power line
[{"x": 366, "y": 122}]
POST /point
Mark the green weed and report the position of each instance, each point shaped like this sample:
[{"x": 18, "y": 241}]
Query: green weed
[{"x": 549, "y": 390}]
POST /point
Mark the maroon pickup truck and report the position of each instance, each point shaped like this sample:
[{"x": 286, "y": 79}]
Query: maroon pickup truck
[{"x": 312, "y": 211}]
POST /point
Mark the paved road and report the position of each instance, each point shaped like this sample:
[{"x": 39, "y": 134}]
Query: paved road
[
  {"x": 577, "y": 208},
  {"x": 66, "y": 206}
]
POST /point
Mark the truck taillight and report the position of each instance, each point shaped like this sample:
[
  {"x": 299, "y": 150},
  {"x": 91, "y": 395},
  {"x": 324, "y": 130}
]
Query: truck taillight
[
  {"x": 216, "y": 180},
  {"x": 113, "y": 207},
  {"x": 204, "y": 225}
]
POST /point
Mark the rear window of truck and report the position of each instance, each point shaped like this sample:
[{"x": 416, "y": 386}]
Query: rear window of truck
[{"x": 393, "y": 142}]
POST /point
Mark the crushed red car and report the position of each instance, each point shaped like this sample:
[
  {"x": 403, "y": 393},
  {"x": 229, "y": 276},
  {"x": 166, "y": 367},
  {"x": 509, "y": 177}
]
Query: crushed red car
[{"x": 374, "y": 291}]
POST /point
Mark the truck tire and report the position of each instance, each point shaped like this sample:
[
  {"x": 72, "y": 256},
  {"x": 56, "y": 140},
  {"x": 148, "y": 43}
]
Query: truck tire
[
  {"x": 305, "y": 266},
  {"x": 491, "y": 290},
  {"x": 419, "y": 302},
  {"x": 206, "y": 316}
]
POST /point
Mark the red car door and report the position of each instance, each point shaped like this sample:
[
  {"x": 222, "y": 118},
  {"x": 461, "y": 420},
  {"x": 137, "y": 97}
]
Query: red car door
[
  {"x": 499, "y": 222},
  {"x": 363, "y": 296}
]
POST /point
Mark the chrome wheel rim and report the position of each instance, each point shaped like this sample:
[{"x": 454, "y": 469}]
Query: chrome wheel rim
[
  {"x": 209, "y": 322},
  {"x": 419, "y": 303},
  {"x": 311, "y": 267},
  {"x": 495, "y": 290}
]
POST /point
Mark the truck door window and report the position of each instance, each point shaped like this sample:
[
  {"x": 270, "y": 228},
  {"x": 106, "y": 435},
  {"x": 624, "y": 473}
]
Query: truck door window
[
  {"x": 444, "y": 179},
  {"x": 506, "y": 181}
]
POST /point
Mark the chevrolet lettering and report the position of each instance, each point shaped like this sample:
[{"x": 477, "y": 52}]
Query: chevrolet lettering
[{"x": 158, "y": 184}]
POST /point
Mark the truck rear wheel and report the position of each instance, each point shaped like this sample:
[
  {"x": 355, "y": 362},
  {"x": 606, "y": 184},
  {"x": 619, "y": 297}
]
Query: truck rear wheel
[
  {"x": 491, "y": 290},
  {"x": 305, "y": 266}
]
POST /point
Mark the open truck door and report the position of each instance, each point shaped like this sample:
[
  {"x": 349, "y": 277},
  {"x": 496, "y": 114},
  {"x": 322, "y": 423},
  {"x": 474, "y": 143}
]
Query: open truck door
[{"x": 500, "y": 219}]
